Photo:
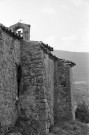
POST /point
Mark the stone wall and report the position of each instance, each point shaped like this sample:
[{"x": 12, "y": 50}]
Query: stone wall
[
  {"x": 9, "y": 56},
  {"x": 62, "y": 95},
  {"x": 74, "y": 106},
  {"x": 26, "y": 86},
  {"x": 37, "y": 86},
  {"x": 31, "y": 87},
  {"x": 49, "y": 86}
]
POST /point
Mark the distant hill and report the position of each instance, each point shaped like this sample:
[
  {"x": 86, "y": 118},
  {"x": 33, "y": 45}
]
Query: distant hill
[
  {"x": 81, "y": 70},
  {"x": 81, "y": 92}
]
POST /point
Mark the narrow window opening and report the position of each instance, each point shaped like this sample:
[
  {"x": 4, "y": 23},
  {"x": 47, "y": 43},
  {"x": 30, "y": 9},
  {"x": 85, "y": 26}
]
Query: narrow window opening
[{"x": 18, "y": 78}]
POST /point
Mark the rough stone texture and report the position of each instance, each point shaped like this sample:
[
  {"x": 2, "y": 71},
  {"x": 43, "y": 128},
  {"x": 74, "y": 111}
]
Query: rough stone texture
[
  {"x": 49, "y": 86},
  {"x": 31, "y": 76},
  {"x": 31, "y": 80},
  {"x": 73, "y": 108},
  {"x": 35, "y": 86},
  {"x": 62, "y": 95},
  {"x": 9, "y": 56}
]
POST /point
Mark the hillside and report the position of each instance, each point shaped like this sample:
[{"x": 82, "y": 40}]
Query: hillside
[{"x": 81, "y": 70}]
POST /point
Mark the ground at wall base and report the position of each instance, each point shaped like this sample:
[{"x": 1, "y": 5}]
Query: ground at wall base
[{"x": 70, "y": 128}]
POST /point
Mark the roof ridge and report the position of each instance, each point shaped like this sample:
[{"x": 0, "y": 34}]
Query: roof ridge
[{"x": 10, "y": 31}]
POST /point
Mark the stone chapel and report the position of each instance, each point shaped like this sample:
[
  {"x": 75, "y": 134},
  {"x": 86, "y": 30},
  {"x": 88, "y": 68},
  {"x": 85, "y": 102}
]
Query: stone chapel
[{"x": 35, "y": 86}]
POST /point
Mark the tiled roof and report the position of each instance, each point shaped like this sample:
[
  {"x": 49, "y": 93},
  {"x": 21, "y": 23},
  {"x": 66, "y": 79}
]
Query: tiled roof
[
  {"x": 11, "y": 32},
  {"x": 46, "y": 46},
  {"x": 63, "y": 60},
  {"x": 68, "y": 62}
]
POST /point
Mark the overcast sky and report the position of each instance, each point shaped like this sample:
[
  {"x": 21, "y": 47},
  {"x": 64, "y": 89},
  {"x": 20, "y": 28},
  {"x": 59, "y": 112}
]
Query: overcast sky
[{"x": 63, "y": 24}]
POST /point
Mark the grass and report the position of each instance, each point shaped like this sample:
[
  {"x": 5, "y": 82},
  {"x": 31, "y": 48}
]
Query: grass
[{"x": 70, "y": 128}]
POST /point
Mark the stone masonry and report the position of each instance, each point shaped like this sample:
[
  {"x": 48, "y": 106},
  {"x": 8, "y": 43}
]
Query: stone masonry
[
  {"x": 62, "y": 88},
  {"x": 35, "y": 85}
]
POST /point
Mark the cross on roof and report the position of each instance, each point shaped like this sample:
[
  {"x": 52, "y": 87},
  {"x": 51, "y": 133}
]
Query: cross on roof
[{"x": 20, "y": 20}]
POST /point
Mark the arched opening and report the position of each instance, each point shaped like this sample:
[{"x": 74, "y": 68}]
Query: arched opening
[{"x": 19, "y": 31}]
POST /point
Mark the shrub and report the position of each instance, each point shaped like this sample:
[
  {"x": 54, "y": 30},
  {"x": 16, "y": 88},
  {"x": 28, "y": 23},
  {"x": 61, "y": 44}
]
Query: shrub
[{"x": 82, "y": 112}]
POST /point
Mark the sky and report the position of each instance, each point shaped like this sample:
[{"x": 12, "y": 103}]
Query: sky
[{"x": 63, "y": 24}]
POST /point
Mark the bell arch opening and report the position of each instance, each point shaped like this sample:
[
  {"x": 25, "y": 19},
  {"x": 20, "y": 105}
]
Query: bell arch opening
[{"x": 19, "y": 31}]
